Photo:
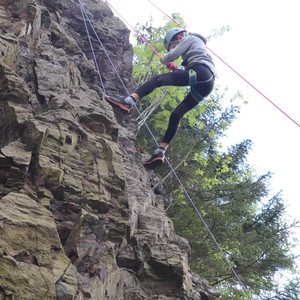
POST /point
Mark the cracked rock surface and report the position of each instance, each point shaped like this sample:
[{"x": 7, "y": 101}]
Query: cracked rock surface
[{"x": 78, "y": 217}]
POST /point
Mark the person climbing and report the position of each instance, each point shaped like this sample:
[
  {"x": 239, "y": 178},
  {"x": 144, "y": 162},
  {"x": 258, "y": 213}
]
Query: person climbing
[{"x": 198, "y": 73}]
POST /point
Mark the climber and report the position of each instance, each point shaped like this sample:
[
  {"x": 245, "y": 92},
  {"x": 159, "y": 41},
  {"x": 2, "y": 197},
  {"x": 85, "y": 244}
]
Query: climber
[{"x": 198, "y": 73}]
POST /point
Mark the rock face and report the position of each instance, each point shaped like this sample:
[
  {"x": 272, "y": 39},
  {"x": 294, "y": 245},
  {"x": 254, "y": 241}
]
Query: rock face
[{"x": 78, "y": 217}]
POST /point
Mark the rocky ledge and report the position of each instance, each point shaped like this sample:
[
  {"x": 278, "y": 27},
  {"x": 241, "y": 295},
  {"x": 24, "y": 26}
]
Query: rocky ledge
[{"x": 78, "y": 216}]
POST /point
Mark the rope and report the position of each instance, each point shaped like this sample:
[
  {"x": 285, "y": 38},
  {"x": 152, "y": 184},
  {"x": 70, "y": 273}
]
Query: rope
[
  {"x": 179, "y": 181},
  {"x": 91, "y": 45},
  {"x": 257, "y": 90},
  {"x": 137, "y": 33},
  {"x": 237, "y": 73},
  {"x": 111, "y": 62},
  {"x": 106, "y": 53}
]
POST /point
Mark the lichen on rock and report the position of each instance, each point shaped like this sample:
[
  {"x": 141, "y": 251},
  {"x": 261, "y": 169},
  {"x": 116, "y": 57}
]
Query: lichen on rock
[{"x": 78, "y": 217}]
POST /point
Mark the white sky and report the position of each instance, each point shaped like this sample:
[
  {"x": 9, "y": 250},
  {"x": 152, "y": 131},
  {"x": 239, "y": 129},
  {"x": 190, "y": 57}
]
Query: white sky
[{"x": 263, "y": 45}]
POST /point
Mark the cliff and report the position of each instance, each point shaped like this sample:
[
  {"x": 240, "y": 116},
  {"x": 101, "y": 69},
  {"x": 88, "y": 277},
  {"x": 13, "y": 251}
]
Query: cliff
[{"x": 78, "y": 216}]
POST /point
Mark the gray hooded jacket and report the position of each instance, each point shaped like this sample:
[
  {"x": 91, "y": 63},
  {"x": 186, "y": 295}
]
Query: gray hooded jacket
[{"x": 193, "y": 51}]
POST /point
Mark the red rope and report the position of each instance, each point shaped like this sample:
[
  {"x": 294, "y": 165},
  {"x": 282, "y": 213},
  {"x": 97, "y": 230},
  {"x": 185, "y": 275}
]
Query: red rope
[
  {"x": 138, "y": 34},
  {"x": 276, "y": 106}
]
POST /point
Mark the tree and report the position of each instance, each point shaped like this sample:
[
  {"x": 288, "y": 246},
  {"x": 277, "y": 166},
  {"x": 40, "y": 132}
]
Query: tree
[
  {"x": 248, "y": 224},
  {"x": 290, "y": 291}
]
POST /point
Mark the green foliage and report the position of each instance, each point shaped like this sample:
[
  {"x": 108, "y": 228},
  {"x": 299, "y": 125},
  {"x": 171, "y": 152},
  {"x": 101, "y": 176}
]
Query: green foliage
[
  {"x": 248, "y": 224},
  {"x": 289, "y": 291},
  {"x": 219, "y": 32}
]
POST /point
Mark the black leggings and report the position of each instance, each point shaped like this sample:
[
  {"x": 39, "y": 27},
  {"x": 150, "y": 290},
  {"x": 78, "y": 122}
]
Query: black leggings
[{"x": 204, "y": 86}]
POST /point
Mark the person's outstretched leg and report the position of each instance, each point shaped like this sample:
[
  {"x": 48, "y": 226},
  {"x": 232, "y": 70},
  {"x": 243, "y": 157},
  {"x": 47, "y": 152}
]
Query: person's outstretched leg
[
  {"x": 157, "y": 158},
  {"x": 176, "y": 78},
  {"x": 204, "y": 86}
]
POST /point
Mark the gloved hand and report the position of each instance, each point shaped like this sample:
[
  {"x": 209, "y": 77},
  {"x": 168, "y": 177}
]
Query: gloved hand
[{"x": 171, "y": 66}]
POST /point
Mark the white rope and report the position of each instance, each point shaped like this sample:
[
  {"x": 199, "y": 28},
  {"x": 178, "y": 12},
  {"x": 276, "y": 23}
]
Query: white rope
[
  {"x": 91, "y": 45},
  {"x": 172, "y": 169}
]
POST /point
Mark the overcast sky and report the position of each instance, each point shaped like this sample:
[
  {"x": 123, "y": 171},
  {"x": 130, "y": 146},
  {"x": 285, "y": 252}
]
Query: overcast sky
[{"x": 263, "y": 46}]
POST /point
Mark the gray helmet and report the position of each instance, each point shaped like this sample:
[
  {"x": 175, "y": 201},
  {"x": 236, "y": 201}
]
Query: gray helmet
[{"x": 170, "y": 35}]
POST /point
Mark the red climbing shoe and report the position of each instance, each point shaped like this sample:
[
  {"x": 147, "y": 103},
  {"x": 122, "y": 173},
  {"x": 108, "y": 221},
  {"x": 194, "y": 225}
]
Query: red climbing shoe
[
  {"x": 119, "y": 102},
  {"x": 156, "y": 160}
]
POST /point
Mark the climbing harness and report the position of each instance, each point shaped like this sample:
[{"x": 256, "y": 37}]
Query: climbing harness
[
  {"x": 193, "y": 81},
  {"x": 192, "y": 77},
  {"x": 196, "y": 94}
]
